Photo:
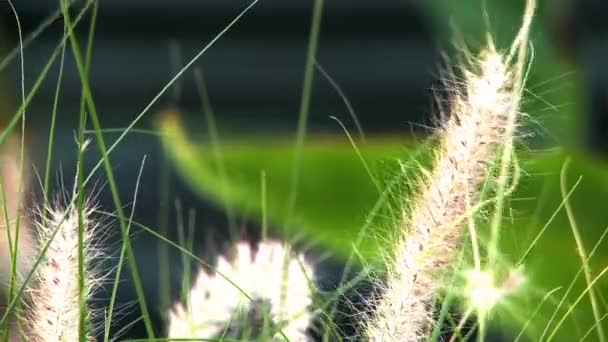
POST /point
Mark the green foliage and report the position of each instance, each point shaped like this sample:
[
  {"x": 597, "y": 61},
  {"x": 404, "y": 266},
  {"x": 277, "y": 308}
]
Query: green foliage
[
  {"x": 336, "y": 194},
  {"x": 337, "y": 189},
  {"x": 551, "y": 257}
]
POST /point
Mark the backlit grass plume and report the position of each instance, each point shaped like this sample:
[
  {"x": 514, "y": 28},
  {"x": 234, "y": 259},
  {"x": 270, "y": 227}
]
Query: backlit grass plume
[
  {"x": 483, "y": 117},
  {"x": 55, "y": 313},
  {"x": 263, "y": 294}
]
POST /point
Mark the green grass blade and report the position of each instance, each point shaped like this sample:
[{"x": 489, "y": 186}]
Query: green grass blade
[{"x": 313, "y": 43}]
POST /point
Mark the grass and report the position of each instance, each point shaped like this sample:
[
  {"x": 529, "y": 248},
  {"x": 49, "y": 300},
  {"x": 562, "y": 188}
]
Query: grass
[{"x": 259, "y": 312}]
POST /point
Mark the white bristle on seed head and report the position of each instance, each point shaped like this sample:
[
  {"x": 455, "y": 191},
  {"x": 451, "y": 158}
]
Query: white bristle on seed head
[
  {"x": 270, "y": 275},
  {"x": 54, "y": 299},
  {"x": 483, "y": 117},
  {"x": 432, "y": 229}
]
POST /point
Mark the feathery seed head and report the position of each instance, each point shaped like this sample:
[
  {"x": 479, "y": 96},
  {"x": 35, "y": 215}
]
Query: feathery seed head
[
  {"x": 483, "y": 117},
  {"x": 268, "y": 282},
  {"x": 432, "y": 231},
  {"x": 55, "y": 309}
]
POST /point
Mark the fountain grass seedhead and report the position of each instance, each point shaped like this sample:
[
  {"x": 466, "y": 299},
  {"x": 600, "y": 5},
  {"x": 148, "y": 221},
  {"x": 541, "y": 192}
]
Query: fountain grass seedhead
[
  {"x": 54, "y": 309},
  {"x": 481, "y": 123},
  {"x": 268, "y": 289}
]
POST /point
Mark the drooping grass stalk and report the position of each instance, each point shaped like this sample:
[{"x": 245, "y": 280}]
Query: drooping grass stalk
[
  {"x": 585, "y": 258},
  {"x": 342, "y": 95},
  {"x": 580, "y": 248},
  {"x": 482, "y": 119}
]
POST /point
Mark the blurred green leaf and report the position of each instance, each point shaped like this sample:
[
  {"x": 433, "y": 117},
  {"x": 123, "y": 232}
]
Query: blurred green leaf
[{"x": 335, "y": 193}]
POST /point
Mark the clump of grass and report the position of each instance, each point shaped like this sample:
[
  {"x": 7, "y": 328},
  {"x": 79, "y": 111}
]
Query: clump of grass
[
  {"x": 54, "y": 310},
  {"x": 482, "y": 118},
  {"x": 263, "y": 294}
]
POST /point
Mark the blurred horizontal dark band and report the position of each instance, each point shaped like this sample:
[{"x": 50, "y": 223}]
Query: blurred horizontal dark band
[{"x": 381, "y": 54}]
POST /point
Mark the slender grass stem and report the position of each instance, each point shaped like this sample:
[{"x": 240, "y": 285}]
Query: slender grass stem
[
  {"x": 109, "y": 173},
  {"x": 80, "y": 179},
  {"x": 49, "y": 153},
  {"x": 21, "y": 179},
  {"x": 121, "y": 257},
  {"x": 305, "y": 100},
  {"x": 580, "y": 247}
]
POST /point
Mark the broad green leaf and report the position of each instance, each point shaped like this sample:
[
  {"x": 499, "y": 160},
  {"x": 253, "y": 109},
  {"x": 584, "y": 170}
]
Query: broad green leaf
[{"x": 336, "y": 191}]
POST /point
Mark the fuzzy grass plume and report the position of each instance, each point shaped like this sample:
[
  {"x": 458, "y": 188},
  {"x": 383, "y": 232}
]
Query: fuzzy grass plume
[
  {"x": 482, "y": 119},
  {"x": 259, "y": 294},
  {"x": 55, "y": 313}
]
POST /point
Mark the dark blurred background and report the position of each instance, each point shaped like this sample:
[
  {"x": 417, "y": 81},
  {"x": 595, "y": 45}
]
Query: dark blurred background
[
  {"x": 380, "y": 53},
  {"x": 385, "y": 56}
]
